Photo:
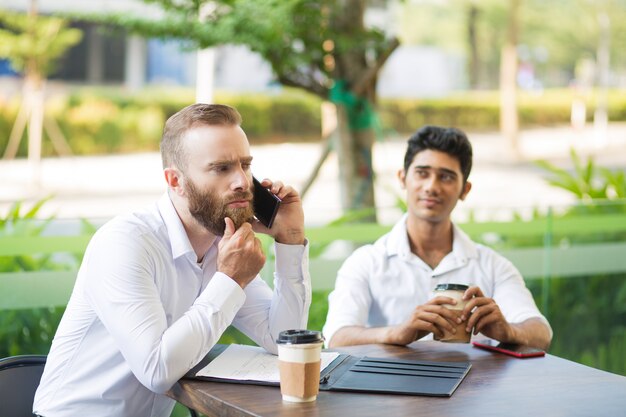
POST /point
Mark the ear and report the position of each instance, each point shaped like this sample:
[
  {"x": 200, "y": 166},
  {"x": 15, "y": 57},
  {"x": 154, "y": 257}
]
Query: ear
[
  {"x": 402, "y": 178},
  {"x": 466, "y": 190},
  {"x": 174, "y": 180}
]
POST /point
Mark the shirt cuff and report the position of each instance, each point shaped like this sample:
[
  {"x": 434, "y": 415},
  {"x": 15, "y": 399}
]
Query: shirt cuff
[
  {"x": 223, "y": 294},
  {"x": 290, "y": 259}
]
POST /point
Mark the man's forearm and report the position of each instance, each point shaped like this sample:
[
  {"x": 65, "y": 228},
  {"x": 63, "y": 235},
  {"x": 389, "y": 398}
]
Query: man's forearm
[
  {"x": 291, "y": 297},
  {"x": 359, "y": 335},
  {"x": 532, "y": 332}
]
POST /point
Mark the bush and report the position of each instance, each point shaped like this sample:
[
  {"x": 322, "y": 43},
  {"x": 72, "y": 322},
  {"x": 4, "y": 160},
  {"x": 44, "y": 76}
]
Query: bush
[
  {"x": 481, "y": 110},
  {"x": 587, "y": 315},
  {"x": 27, "y": 331},
  {"x": 97, "y": 121}
]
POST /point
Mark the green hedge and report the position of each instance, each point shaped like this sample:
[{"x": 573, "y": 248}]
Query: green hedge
[
  {"x": 481, "y": 110},
  {"x": 99, "y": 121},
  {"x": 111, "y": 121}
]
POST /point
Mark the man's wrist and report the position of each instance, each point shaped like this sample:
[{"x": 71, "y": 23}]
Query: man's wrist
[
  {"x": 514, "y": 335},
  {"x": 291, "y": 237},
  {"x": 387, "y": 336}
]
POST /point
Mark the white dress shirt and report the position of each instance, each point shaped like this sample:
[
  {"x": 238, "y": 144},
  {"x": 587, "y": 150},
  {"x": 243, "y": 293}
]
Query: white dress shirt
[
  {"x": 381, "y": 284},
  {"x": 143, "y": 312}
]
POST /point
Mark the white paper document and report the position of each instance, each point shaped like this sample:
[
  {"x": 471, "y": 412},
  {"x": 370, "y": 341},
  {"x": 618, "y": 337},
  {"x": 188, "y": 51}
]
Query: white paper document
[{"x": 250, "y": 363}]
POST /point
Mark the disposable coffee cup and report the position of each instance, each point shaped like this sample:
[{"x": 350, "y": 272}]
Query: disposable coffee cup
[
  {"x": 455, "y": 291},
  {"x": 299, "y": 361}
]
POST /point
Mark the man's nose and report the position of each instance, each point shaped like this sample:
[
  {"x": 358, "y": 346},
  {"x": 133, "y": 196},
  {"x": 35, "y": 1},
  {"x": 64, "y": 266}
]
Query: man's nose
[
  {"x": 241, "y": 180},
  {"x": 431, "y": 184}
]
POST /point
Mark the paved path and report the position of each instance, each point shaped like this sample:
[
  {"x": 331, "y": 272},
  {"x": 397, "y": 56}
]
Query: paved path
[{"x": 103, "y": 186}]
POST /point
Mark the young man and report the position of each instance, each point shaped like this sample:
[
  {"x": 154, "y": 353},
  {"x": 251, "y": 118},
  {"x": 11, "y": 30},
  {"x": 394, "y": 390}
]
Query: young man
[
  {"x": 157, "y": 289},
  {"x": 383, "y": 292}
]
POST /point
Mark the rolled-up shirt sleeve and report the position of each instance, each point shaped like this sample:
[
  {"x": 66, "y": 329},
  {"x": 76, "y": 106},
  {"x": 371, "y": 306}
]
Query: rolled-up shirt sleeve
[
  {"x": 266, "y": 313},
  {"x": 511, "y": 294}
]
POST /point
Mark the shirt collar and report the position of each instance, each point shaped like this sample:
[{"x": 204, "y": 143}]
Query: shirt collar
[
  {"x": 463, "y": 247},
  {"x": 398, "y": 240},
  {"x": 178, "y": 238}
]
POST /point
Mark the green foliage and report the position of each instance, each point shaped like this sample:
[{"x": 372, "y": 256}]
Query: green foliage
[
  {"x": 588, "y": 316},
  {"x": 554, "y": 35},
  {"x": 318, "y": 310},
  {"x": 18, "y": 223},
  {"x": 599, "y": 191},
  {"x": 35, "y": 40},
  {"x": 288, "y": 34},
  {"x": 181, "y": 411},
  {"x": 97, "y": 121},
  {"x": 232, "y": 335},
  {"x": 289, "y": 115},
  {"x": 317, "y": 318},
  {"x": 588, "y": 182},
  {"x": 113, "y": 121},
  {"x": 481, "y": 110},
  {"x": 408, "y": 115},
  {"x": 27, "y": 331},
  {"x": 551, "y": 25}
]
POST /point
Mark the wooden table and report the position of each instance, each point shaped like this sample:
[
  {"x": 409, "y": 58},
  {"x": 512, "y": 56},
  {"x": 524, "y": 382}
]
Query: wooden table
[{"x": 497, "y": 385}]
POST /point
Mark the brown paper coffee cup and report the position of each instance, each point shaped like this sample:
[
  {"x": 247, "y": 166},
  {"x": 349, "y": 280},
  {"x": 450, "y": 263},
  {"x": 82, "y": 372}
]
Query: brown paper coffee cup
[
  {"x": 299, "y": 361},
  {"x": 455, "y": 291}
]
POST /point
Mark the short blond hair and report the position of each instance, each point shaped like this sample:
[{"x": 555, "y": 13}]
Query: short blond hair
[{"x": 172, "y": 149}]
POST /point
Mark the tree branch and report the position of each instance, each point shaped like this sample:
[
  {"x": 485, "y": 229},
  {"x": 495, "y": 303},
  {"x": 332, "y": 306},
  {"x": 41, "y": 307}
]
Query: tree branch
[
  {"x": 311, "y": 86},
  {"x": 361, "y": 85}
]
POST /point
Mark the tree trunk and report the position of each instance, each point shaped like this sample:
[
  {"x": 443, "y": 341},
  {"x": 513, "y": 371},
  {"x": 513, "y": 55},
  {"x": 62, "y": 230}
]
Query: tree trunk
[
  {"x": 356, "y": 175},
  {"x": 354, "y": 151},
  {"x": 472, "y": 40},
  {"x": 346, "y": 160},
  {"x": 364, "y": 175},
  {"x": 601, "y": 114},
  {"x": 509, "y": 122}
]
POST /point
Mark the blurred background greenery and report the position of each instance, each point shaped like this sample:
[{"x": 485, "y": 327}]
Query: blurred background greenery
[{"x": 104, "y": 121}]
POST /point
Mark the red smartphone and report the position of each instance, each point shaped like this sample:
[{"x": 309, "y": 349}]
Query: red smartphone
[{"x": 519, "y": 351}]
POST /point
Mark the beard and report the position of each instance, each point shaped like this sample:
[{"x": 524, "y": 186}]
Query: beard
[{"x": 209, "y": 209}]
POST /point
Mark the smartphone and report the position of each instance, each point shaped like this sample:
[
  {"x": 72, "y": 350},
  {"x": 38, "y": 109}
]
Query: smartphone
[
  {"x": 519, "y": 351},
  {"x": 265, "y": 204}
]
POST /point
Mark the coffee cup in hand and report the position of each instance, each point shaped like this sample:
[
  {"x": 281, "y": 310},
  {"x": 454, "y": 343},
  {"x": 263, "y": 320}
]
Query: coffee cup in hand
[
  {"x": 456, "y": 292},
  {"x": 299, "y": 361}
]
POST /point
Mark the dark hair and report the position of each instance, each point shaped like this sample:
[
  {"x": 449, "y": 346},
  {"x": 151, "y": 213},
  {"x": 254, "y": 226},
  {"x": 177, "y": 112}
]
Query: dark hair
[
  {"x": 449, "y": 140},
  {"x": 172, "y": 150}
]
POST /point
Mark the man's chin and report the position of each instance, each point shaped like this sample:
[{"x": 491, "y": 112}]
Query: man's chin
[
  {"x": 434, "y": 216},
  {"x": 217, "y": 226},
  {"x": 239, "y": 217}
]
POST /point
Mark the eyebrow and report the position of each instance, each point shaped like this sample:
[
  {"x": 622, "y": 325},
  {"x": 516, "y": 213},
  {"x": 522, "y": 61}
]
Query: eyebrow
[
  {"x": 439, "y": 170},
  {"x": 226, "y": 162}
]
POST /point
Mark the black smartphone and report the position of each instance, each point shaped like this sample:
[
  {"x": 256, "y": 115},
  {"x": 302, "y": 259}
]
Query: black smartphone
[
  {"x": 265, "y": 204},
  {"x": 519, "y": 351}
]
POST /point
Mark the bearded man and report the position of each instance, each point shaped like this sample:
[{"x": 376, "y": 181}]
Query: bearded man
[{"x": 156, "y": 289}]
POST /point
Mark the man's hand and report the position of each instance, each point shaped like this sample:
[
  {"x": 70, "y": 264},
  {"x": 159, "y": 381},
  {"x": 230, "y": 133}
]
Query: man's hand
[
  {"x": 431, "y": 317},
  {"x": 484, "y": 315},
  {"x": 240, "y": 255},
  {"x": 486, "y": 318},
  {"x": 288, "y": 227}
]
